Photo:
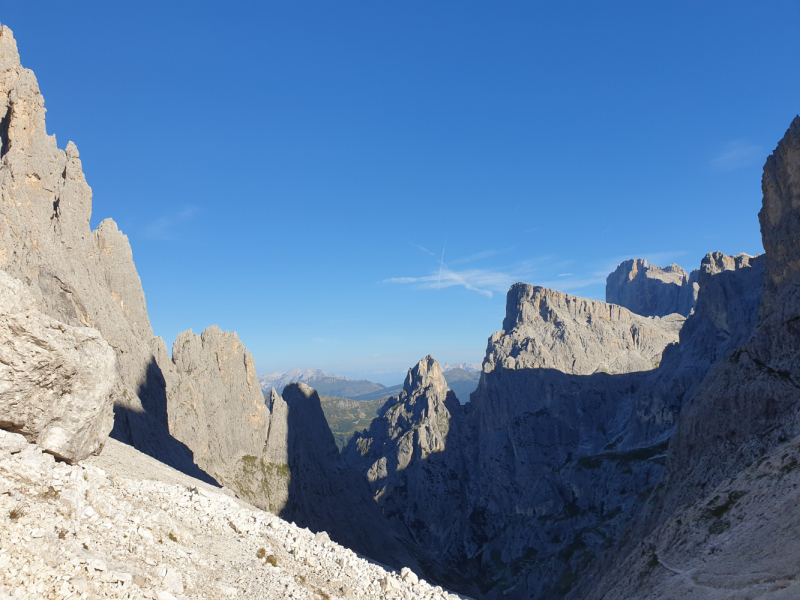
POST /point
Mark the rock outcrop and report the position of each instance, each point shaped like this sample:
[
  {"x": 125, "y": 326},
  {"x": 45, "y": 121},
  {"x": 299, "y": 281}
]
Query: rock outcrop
[
  {"x": 740, "y": 426},
  {"x": 57, "y": 382},
  {"x": 652, "y": 291},
  {"x": 546, "y": 329},
  {"x": 215, "y": 407},
  {"x": 411, "y": 457},
  {"x": 80, "y": 277}
]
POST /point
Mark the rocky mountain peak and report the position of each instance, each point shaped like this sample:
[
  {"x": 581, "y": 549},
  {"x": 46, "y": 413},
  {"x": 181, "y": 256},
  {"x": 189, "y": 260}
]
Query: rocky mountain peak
[
  {"x": 652, "y": 291},
  {"x": 424, "y": 379},
  {"x": 545, "y": 328},
  {"x": 9, "y": 55}
]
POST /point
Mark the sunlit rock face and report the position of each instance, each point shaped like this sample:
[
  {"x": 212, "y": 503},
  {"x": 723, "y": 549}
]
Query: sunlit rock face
[
  {"x": 652, "y": 291},
  {"x": 57, "y": 382}
]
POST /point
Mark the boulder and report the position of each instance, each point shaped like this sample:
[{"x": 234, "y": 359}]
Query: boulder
[{"x": 57, "y": 382}]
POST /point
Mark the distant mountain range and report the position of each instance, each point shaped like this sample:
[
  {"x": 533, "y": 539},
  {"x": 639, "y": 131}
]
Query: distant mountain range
[
  {"x": 468, "y": 367},
  {"x": 325, "y": 383},
  {"x": 461, "y": 377}
]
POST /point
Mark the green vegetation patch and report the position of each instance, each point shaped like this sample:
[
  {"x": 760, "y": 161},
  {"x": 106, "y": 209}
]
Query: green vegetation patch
[{"x": 345, "y": 417}]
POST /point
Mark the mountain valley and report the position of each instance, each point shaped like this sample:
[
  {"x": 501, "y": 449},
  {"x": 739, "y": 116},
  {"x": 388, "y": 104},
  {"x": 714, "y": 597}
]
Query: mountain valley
[{"x": 642, "y": 447}]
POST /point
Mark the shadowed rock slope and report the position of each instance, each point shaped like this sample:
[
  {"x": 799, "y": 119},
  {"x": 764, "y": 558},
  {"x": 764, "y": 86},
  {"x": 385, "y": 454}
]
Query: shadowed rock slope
[
  {"x": 721, "y": 521},
  {"x": 567, "y": 432}
]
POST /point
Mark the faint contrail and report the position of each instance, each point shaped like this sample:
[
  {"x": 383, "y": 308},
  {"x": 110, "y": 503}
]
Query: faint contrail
[{"x": 441, "y": 264}]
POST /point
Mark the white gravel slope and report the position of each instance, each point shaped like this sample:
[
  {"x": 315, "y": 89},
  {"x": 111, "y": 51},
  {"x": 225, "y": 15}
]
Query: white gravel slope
[{"x": 122, "y": 525}]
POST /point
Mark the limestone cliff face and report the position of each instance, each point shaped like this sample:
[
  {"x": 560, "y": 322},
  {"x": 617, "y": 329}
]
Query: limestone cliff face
[
  {"x": 411, "y": 457},
  {"x": 736, "y": 441},
  {"x": 77, "y": 276},
  {"x": 652, "y": 291},
  {"x": 546, "y": 329},
  {"x": 550, "y": 479},
  {"x": 216, "y": 408}
]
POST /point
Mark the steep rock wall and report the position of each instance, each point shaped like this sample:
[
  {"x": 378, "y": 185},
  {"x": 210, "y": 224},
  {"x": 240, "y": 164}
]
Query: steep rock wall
[
  {"x": 739, "y": 427},
  {"x": 652, "y": 291}
]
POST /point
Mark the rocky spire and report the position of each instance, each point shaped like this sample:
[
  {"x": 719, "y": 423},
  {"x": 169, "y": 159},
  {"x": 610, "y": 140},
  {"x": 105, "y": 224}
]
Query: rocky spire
[{"x": 411, "y": 455}]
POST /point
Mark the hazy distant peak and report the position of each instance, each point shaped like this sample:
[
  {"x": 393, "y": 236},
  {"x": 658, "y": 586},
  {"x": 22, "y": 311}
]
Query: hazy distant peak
[
  {"x": 469, "y": 367},
  {"x": 281, "y": 380}
]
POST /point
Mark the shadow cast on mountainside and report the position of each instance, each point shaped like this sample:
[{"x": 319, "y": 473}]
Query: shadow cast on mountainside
[
  {"x": 148, "y": 430},
  {"x": 327, "y": 495},
  {"x": 552, "y": 465}
]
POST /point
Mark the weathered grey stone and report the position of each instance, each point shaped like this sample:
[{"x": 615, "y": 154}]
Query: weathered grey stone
[
  {"x": 411, "y": 458},
  {"x": 216, "y": 408},
  {"x": 650, "y": 290},
  {"x": 546, "y": 329},
  {"x": 739, "y": 421},
  {"x": 12, "y": 442},
  {"x": 76, "y": 276},
  {"x": 57, "y": 382}
]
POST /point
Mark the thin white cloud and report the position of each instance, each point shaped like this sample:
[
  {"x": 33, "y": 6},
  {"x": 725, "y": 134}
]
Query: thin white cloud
[
  {"x": 478, "y": 280},
  {"x": 423, "y": 248},
  {"x": 479, "y": 256},
  {"x": 483, "y": 281},
  {"x": 565, "y": 275},
  {"x": 163, "y": 228},
  {"x": 737, "y": 154}
]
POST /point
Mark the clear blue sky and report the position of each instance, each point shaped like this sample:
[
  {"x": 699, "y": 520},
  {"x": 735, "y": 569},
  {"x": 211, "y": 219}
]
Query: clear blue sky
[{"x": 293, "y": 170}]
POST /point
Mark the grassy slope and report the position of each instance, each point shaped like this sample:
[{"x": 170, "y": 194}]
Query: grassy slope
[{"x": 346, "y": 416}]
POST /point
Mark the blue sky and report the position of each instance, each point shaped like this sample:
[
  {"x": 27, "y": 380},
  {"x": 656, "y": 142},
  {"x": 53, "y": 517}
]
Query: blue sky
[{"x": 294, "y": 171}]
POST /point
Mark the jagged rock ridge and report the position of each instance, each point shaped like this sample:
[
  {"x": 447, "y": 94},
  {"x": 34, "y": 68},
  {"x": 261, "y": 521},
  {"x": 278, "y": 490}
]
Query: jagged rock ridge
[
  {"x": 575, "y": 406},
  {"x": 736, "y": 444},
  {"x": 652, "y": 291}
]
